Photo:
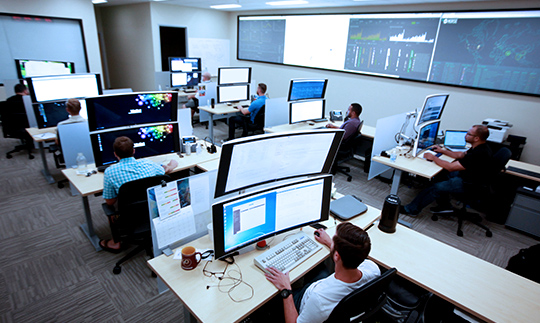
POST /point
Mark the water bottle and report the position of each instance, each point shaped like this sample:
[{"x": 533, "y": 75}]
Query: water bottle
[
  {"x": 81, "y": 163},
  {"x": 199, "y": 149},
  {"x": 393, "y": 156}
]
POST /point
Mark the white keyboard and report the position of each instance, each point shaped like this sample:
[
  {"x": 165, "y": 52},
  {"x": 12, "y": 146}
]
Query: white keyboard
[{"x": 289, "y": 253}]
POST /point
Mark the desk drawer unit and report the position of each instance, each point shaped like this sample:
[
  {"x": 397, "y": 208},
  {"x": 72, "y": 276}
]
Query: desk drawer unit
[{"x": 525, "y": 212}]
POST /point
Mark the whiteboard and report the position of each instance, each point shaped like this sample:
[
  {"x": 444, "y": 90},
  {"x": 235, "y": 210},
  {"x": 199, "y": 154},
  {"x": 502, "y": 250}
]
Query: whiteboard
[{"x": 214, "y": 52}]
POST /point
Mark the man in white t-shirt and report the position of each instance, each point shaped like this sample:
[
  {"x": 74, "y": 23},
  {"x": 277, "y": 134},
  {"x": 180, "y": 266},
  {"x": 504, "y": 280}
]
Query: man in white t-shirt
[{"x": 349, "y": 247}]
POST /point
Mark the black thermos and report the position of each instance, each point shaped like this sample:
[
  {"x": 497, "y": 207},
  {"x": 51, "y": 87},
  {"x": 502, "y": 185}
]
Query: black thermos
[
  {"x": 212, "y": 102},
  {"x": 390, "y": 214}
]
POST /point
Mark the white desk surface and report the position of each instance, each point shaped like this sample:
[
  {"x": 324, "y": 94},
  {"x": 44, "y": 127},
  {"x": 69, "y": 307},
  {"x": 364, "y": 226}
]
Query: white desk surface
[
  {"x": 209, "y": 165},
  {"x": 472, "y": 284},
  {"x": 367, "y": 131},
  {"x": 94, "y": 184},
  {"x": 211, "y": 305},
  {"x": 414, "y": 165},
  {"x": 524, "y": 166},
  {"x": 222, "y": 108},
  {"x": 36, "y": 132}
]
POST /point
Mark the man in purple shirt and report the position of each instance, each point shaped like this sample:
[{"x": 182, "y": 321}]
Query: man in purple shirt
[{"x": 352, "y": 121}]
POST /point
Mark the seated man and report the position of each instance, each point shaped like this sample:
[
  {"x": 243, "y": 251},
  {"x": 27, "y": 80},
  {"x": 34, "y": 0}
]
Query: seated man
[
  {"x": 249, "y": 113},
  {"x": 73, "y": 107},
  {"x": 349, "y": 249},
  {"x": 126, "y": 170},
  {"x": 352, "y": 121},
  {"x": 193, "y": 101},
  {"x": 468, "y": 168}
]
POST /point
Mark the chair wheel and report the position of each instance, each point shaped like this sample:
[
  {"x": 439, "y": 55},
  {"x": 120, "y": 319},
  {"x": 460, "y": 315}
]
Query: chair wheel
[
  {"x": 434, "y": 217},
  {"x": 117, "y": 270},
  {"x": 460, "y": 233},
  {"x": 31, "y": 157},
  {"x": 8, "y": 156},
  {"x": 154, "y": 275},
  {"x": 60, "y": 185},
  {"x": 489, "y": 234},
  {"x": 349, "y": 179}
]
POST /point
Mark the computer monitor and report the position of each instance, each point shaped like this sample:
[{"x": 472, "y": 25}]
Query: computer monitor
[
  {"x": 149, "y": 141},
  {"x": 303, "y": 89},
  {"x": 234, "y": 75},
  {"x": 63, "y": 87},
  {"x": 118, "y": 110},
  {"x": 232, "y": 93},
  {"x": 48, "y": 114},
  {"x": 455, "y": 139},
  {"x": 31, "y": 68},
  {"x": 306, "y": 110},
  {"x": 270, "y": 157},
  {"x": 185, "y": 79},
  {"x": 246, "y": 219},
  {"x": 185, "y": 64},
  {"x": 426, "y": 136},
  {"x": 432, "y": 109}
]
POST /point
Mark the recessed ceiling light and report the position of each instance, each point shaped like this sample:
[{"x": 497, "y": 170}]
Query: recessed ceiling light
[
  {"x": 99, "y": 1},
  {"x": 226, "y": 6},
  {"x": 286, "y": 3}
]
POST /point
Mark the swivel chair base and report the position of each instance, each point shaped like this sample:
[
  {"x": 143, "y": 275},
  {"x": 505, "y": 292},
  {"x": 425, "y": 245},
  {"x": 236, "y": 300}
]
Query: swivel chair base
[
  {"x": 464, "y": 215},
  {"x": 19, "y": 148}
]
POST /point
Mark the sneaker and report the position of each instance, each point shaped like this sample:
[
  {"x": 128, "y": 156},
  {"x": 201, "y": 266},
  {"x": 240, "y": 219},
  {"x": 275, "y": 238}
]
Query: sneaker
[
  {"x": 441, "y": 209},
  {"x": 404, "y": 211}
]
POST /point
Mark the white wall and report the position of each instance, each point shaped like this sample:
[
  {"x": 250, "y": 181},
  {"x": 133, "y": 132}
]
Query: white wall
[
  {"x": 77, "y": 9},
  {"x": 382, "y": 97}
]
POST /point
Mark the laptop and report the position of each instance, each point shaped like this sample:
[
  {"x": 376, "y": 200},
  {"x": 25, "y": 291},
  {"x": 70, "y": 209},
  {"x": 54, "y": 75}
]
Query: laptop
[{"x": 455, "y": 140}]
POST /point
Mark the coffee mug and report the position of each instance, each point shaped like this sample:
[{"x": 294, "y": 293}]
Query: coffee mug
[{"x": 189, "y": 258}]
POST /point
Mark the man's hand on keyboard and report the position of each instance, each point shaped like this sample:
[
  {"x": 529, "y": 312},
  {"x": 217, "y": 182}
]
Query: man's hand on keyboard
[
  {"x": 323, "y": 238},
  {"x": 279, "y": 279}
]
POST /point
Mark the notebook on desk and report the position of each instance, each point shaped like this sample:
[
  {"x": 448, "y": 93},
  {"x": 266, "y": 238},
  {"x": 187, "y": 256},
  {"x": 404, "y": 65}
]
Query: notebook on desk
[{"x": 455, "y": 140}]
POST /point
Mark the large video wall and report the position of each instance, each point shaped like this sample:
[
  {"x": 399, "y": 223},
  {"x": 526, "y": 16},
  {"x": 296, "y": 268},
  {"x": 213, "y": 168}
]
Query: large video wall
[{"x": 495, "y": 50}]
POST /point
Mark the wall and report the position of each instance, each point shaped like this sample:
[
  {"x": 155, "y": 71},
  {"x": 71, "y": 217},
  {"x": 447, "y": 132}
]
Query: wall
[
  {"x": 77, "y": 9},
  {"x": 382, "y": 97}
]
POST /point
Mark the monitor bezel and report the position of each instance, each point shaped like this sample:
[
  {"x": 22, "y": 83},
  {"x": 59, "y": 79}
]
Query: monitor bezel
[
  {"x": 425, "y": 124},
  {"x": 199, "y": 63},
  {"x": 293, "y": 81},
  {"x": 218, "y": 92},
  {"x": 217, "y": 214},
  {"x": 95, "y": 144},
  {"x": 230, "y": 68},
  {"x": 30, "y": 83},
  {"x": 91, "y": 111},
  {"x": 291, "y": 104},
  {"x": 186, "y": 85},
  {"x": 228, "y": 147},
  {"x": 417, "y": 123}
]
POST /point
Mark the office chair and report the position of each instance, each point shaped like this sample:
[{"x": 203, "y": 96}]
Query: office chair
[
  {"x": 478, "y": 196},
  {"x": 59, "y": 162},
  {"x": 131, "y": 223},
  {"x": 14, "y": 125},
  {"x": 363, "y": 303},
  {"x": 346, "y": 152},
  {"x": 258, "y": 122}
]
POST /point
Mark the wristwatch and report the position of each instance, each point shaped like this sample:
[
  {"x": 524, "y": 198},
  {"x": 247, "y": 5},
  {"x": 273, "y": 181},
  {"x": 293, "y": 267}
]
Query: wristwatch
[{"x": 285, "y": 293}]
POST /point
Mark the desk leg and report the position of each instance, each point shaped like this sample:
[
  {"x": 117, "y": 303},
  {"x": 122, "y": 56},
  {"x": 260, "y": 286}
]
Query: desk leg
[
  {"x": 88, "y": 227},
  {"x": 45, "y": 171},
  {"x": 396, "y": 179},
  {"x": 211, "y": 127},
  {"x": 188, "y": 318}
]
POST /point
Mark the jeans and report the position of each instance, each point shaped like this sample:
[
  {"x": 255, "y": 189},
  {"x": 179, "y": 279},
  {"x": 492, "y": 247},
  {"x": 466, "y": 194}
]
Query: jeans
[{"x": 437, "y": 192}]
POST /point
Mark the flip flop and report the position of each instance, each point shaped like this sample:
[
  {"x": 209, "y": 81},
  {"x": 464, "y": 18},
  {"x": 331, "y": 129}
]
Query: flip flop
[{"x": 105, "y": 247}]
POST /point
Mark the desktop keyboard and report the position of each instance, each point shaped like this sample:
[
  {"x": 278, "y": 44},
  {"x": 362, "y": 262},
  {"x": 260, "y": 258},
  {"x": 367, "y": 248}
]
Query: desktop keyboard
[{"x": 288, "y": 254}]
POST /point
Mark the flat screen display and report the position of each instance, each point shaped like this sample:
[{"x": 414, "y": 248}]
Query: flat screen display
[
  {"x": 307, "y": 89},
  {"x": 427, "y": 135},
  {"x": 185, "y": 64},
  {"x": 306, "y": 110},
  {"x": 31, "y": 68},
  {"x": 149, "y": 141},
  {"x": 232, "y": 93},
  {"x": 281, "y": 156},
  {"x": 185, "y": 79},
  {"x": 63, "y": 87},
  {"x": 48, "y": 114},
  {"x": 111, "y": 111},
  {"x": 234, "y": 75},
  {"x": 432, "y": 109},
  {"x": 247, "y": 219}
]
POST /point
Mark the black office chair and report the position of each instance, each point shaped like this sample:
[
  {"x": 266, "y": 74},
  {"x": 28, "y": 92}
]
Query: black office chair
[
  {"x": 364, "y": 302},
  {"x": 131, "y": 223},
  {"x": 346, "y": 152},
  {"x": 14, "y": 126},
  {"x": 478, "y": 196},
  {"x": 258, "y": 122}
]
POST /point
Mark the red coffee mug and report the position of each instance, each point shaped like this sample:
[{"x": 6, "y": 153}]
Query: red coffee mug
[{"x": 189, "y": 258}]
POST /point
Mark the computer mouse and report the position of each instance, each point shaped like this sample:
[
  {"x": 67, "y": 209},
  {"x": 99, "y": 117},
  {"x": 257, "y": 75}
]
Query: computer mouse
[{"x": 317, "y": 234}]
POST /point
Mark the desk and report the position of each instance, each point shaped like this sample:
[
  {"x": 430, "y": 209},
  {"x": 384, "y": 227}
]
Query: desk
[
  {"x": 221, "y": 108},
  {"x": 367, "y": 131},
  {"x": 36, "y": 133},
  {"x": 523, "y": 166},
  {"x": 474, "y": 285},
  {"x": 414, "y": 165},
  {"x": 94, "y": 184},
  {"x": 210, "y": 305}
]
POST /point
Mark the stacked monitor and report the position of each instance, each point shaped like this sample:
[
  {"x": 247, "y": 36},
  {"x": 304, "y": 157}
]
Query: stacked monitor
[
  {"x": 185, "y": 71},
  {"x": 233, "y": 84},
  {"x": 48, "y": 114},
  {"x": 428, "y": 121},
  {"x": 147, "y": 118},
  {"x": 306, "y": 99},
  {"x": 31, "y": 68},
  {"x": 256, "y": 163}
]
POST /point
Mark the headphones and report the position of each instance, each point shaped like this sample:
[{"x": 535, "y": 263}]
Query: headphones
[{"x": 212, "y": 148}]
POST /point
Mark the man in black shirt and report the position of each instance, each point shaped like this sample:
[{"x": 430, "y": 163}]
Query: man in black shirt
[
  {"x": 468, "y": 168},
  {"x": 16, "y": 101}
]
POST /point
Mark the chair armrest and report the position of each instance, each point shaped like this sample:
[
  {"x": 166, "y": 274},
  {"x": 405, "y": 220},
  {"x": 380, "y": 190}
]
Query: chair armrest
[{"x": 109, "y": 210}]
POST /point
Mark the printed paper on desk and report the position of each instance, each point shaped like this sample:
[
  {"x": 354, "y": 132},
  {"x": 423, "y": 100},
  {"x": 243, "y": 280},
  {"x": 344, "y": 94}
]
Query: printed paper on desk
[
  {"x": 174, "y": 228},
  {"x": 167, "y": 200},
  {"x": 46, "y": 135}
]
